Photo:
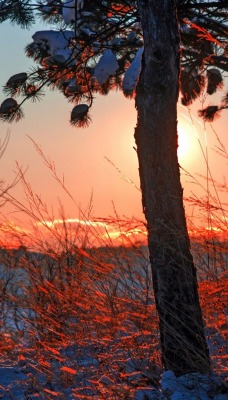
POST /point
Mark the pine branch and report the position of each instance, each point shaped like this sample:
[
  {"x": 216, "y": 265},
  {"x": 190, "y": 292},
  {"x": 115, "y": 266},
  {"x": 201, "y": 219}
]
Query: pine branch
[
  {"x": 210, "y": 113},
  {"x": 203, "y": 6}
]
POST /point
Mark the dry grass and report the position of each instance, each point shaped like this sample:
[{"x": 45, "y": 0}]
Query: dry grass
[{"x": 80, "y": 319}]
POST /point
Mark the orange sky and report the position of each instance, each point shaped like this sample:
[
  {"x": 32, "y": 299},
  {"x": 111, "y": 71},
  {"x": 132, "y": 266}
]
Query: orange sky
[{"x": 81, "y": 155}]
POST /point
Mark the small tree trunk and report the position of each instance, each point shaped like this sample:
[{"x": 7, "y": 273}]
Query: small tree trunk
[{"x": 182, "y": 337}]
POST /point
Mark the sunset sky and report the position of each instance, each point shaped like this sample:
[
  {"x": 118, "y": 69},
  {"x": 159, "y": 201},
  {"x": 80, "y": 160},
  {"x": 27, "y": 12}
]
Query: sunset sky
[{"x": 82, "y": 155}]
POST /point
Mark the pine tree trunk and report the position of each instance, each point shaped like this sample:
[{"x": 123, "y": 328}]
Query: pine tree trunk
[{"x": 182, "y": 337}]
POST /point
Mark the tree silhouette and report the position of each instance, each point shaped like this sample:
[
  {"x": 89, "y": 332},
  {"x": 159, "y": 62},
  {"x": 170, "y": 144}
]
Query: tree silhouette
[{"x": 150, "y": 50}]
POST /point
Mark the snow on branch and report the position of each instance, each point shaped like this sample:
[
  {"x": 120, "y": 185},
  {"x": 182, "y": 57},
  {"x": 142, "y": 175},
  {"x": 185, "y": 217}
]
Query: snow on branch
[
  {"x": 106, "y": 67},
  {"x": 132, "y": 74}
]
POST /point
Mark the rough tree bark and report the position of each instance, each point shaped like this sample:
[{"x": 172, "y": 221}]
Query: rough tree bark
[{"x": 183, "y": 342}]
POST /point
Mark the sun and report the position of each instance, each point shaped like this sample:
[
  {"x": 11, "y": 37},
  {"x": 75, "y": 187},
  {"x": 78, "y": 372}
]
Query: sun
[{"x": 186, "y": 143}]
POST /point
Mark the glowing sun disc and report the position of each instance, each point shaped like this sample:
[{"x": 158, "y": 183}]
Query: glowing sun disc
[{"x": 185, "y": 143}]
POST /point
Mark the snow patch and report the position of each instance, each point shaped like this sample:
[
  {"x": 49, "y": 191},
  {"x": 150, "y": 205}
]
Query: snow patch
[
  {"x": 132, "y": 73},
  {"x": 68, "y": 10},
  {"x": 168, "y": 382},
  {"x": 106, "y": 67},
  {"x": 56, "y": 41},
  {"x": 87, "y": 31}
]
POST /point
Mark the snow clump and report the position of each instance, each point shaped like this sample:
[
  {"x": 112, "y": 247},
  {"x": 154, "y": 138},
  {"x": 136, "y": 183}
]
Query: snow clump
[
  {"x": 106, "y": 67},
  {"x": 57, "y": 42},
  {"x": 132, "y": 73},
  {"x": 8, "y": 106},
  {"x": 192, "y": 386}
]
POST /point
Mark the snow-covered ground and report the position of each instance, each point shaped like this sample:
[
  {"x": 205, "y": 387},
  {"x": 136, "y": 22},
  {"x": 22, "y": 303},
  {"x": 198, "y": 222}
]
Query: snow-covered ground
[
  {"x": 100, "y": 358},
  {"x": 16, "y": 385}
]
